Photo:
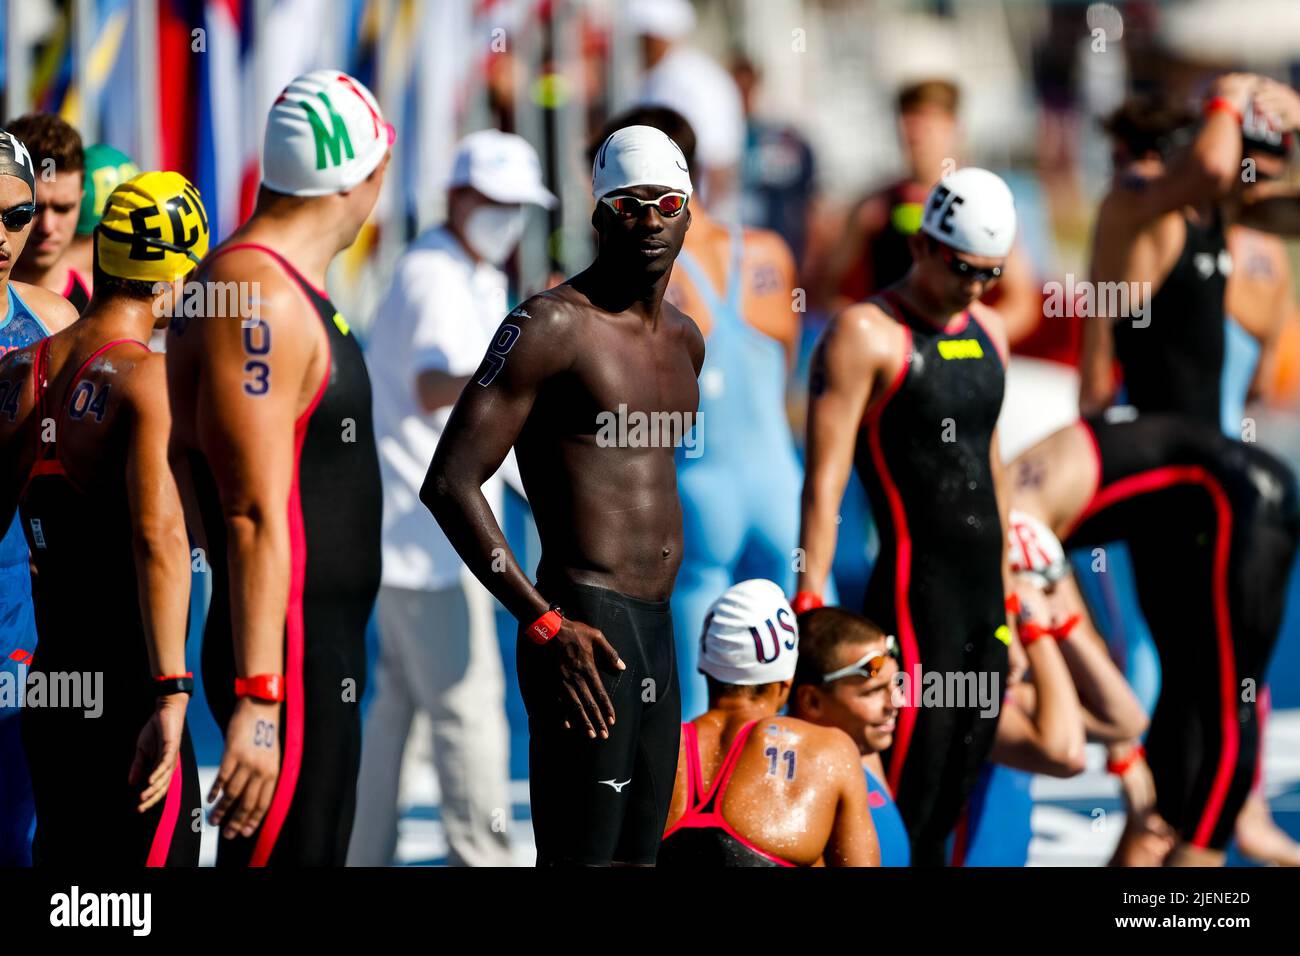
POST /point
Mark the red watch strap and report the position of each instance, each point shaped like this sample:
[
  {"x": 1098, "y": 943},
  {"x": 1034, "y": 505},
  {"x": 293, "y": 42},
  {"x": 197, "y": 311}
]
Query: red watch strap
[
  {"x": 1122, "y": 766},
  {"x": 545, "y": 627},
  {"x": 806, "y": 601},
  {"x": 1066, "y": 627},
  {"x": 1030, "y": 632},
  {"x": 1013, "y": 603},
  {"x": 1222, "y": 104},
  {"x": 267, "y": 687}
]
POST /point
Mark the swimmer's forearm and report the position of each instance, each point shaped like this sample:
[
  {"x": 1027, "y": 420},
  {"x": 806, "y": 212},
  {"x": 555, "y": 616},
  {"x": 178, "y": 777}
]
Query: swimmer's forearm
[
  {"x": 259, "y": 564},
  {"x": 817, "y": 538},
  {"x": 466, "y": 518},
  {"x": 1059, "y": 719},
  {"x": 830, "y": 464},
  {"x": 1116, "y": 712},
  {"x": 163, "y": 586}
]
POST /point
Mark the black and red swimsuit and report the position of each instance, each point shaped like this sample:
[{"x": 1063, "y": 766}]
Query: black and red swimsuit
[
  {"x": 703, "y": 837},
  {"x": 86, "y": 595},
  {"x": 334, "y": 524}
]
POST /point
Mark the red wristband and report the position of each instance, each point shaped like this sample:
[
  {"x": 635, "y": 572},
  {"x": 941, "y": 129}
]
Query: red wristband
[
  {"x": 174, "y": 676},
  {"x": 806, "y": 601},
  {"x": 546, "y": 626},
  {"x": 1066, "y": 627},
  {"x": 1220, "y": 104},
  {"x": 1013, "y": 603},
  {"x": 1124, "y": 764},
  {"x": 1030, "y": 632},
  {"x": 264, "y": 687}
]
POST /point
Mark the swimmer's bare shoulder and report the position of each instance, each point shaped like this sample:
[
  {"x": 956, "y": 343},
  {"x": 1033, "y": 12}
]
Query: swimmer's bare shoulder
[
  {"x": 685, "y": 327},
  {"x": 54, "y": 311},
  {"x": 859, "y": 341}
]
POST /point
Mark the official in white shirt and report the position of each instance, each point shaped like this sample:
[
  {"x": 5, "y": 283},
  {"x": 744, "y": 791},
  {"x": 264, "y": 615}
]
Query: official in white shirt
[
  {"x": 438, "y": 641},
  {"x": 688, "y": 80}
]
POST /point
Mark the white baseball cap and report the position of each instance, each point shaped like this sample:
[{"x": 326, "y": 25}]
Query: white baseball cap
[
  {"x": 639, "y": 156},
  {"x": 750, "y": 635},
  {"x": 666, "y": 19},
  {"x": 972, "y": 211},
  {"x": 502, "y": 166},
  {"x": 324, "y": 135}
]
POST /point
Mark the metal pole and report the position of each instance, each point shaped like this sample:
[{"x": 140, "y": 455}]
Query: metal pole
[
  {"x": 83, "y": 37},
  {"x": 144, "y": 18},
  {"x": 18, "y": 63},
  {"x": 571, "y": 132},
  {"x": 530, "y": 124}
]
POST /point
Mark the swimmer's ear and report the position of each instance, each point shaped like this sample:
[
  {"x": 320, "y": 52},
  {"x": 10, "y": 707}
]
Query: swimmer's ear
[{"x": 917, "y": 245}]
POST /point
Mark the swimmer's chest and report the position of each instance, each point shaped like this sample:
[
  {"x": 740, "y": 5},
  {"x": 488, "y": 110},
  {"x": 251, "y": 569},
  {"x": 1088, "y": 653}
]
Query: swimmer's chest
[{"x": 635, "y": 370}]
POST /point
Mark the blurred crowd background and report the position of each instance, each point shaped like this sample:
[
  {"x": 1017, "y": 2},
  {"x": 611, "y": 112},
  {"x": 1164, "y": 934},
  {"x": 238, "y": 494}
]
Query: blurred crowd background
[
  {"x": 804, "y": 128},
  {"x": 795, "y": 104}
]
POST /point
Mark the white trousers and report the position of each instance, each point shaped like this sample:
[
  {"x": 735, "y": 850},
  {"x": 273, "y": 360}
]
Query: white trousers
[{"x": 438, "y": 655}]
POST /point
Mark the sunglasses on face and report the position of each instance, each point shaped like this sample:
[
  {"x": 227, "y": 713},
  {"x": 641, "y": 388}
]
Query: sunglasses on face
[
  {"x": 871, "y": 664},
  {"x": 17, "y": 217},
  {"x": 669, "y": 204},
  {"x": 963, "y": 269}
]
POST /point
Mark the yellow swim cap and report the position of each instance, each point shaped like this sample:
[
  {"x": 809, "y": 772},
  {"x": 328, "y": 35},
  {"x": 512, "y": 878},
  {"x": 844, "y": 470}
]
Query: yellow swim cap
[{"x": 154, "y": 228}]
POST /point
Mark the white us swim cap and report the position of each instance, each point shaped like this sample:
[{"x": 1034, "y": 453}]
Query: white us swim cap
[
  {"x": 324, "y": 134},
  {"x": 639, "y": 156},
  {"x": 972, "y": 211},
  {"x": 750, "y": 635}
]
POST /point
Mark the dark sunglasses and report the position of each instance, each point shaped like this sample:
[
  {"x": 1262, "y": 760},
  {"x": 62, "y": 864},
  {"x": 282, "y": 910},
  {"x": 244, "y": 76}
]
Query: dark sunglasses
[
  {"x": 17, "y": 217},
  {"x": 669, "y": 204},
  {"x": 962, "y": 268}
]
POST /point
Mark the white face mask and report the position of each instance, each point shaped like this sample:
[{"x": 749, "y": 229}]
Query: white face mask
[{"x": 494, "y": 231}]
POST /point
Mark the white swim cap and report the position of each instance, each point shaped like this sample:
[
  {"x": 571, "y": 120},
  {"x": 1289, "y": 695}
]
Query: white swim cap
[
  {"x": 750, "y": 635},
  {"x": 639, "y": 156},
  {"x": 324, "y": 134},
  {"x": 972, "y": 211},
  {"x": 1033, "y": 550}
]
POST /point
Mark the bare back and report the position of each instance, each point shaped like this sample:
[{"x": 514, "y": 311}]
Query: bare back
[{"x": 796, "y": 793}]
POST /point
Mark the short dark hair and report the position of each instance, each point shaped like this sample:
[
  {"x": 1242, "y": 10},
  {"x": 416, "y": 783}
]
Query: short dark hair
[
  {"x": 47, "y": 136},
  {"x": 941, "y": 93},
  {"x": 719, "y": 688},
  {"x": 106, "y": 284},
  {"x": 822, "y": 632},
  {"x": 1146, "y": 124},
  {"x": 668, "y": 121}
]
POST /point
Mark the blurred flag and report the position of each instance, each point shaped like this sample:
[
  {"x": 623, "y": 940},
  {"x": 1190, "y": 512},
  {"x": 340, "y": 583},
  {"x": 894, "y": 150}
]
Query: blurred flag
[{"x": 222, "y": 157}]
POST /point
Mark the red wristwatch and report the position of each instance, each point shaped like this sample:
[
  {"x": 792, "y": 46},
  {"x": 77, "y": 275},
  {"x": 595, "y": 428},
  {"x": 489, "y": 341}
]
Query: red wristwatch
[
  {"x": 546, "y": 626},
  {"x": 1221, "y": 103},
  {"x": 263, "y": 687},
  {"x": 1125, "y": 763},
  {"x": 806, "y": 601}
]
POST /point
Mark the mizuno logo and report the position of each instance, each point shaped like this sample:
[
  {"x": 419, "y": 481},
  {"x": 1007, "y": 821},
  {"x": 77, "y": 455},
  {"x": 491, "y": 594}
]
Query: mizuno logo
[
  {"x": 960, "y": 349},
  {"x": 617, "y": 787}
]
